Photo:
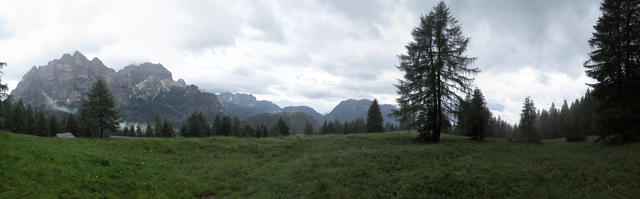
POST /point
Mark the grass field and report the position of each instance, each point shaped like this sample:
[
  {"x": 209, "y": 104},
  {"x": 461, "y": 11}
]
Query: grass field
[{"x": 384, "y": 165}]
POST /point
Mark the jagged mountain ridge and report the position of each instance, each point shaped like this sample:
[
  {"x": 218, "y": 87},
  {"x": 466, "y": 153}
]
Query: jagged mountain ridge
[
  {"x": 140, "y": 91},
  {"x": 245, "y": 105}
]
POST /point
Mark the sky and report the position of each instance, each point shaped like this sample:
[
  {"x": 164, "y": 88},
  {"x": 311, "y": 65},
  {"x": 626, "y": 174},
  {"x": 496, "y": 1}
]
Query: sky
[{"x": 309, "y": 52}]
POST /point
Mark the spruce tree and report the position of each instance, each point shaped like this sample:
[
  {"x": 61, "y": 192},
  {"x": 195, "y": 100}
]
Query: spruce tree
[
  {"x": 17, "y": 119},
  {"x": 479, "y": 117},
  {"x": 283, "y": 128},
  {"x": 308, "y": 128},
  {"x": 42, "y": 127},
  {"x": 139, "y": 132},
  {"x": 71, "y": 125},
  {"x": 528, "y": 121},
  {"x": 615, "y": 64},
  {"x": 435, "y": 70},
  {"x": 54, "y": 125},
  {"x": 374, "y": 118},
  {"x": 99, "y": 108}
]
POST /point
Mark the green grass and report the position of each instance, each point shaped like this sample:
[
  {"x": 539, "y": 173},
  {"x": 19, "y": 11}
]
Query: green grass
[{"x": 384, "y": 165}]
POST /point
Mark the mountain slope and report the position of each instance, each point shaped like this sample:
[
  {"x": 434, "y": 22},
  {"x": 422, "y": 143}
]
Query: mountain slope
[
  {"x": 307, "y": 110},
  {"x": 140, "y": 91},
  {"x": 351, "y": 109},
  {"x": 245, "y": 105}
]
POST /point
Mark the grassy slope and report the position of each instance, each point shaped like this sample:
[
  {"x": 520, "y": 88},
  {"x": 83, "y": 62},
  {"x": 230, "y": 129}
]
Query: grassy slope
[{"x": 337, "y": 166}]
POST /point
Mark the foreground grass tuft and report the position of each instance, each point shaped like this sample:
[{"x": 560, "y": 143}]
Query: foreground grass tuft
[{"x": 383, "y": 165}]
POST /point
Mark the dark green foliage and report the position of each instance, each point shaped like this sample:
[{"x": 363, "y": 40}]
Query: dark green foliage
[
  {"x": 98, "y": 109},
  {"x": 139, "y": 132},
  {"x": 374, "y": 118},
  {"x": 17, "y": 120},
  {"x": 308, "y": 128},
  {"x": 235, "y": 127},
  {"x": 196, "y": 126},
  {"x": 225, "y": 126},
  {"x": 54, "y": 125},
  {"x": 436, "y": 70},
  {"x": 42, "y": 127},
  {"x": 295, "y": 120},
  {"x": 474, "y": 116},
  {"x": 217, "y": 125},
  {"x": 615, "y": 64},
  {"x": 158, "y": 126},
  {"x": 150, "y": 132},
  {"x": 71, "y": 125},
  {"x": 283, "y": 128},
  {"x": 30, "y": 120},
  {"x": 167, "y": 129},
  {"x": 527, "y": 126}
]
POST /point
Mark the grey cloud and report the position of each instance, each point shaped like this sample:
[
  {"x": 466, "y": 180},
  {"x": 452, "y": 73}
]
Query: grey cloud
[
  {"x": 508, "y": 35},
  {"x": 262, "y": 18},
  {"x": 5, "y": 32}
]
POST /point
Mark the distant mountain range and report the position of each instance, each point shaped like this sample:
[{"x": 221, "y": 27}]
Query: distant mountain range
[
  {"x": 140, "y": 91},
  {"x": 144, "y": 90}
]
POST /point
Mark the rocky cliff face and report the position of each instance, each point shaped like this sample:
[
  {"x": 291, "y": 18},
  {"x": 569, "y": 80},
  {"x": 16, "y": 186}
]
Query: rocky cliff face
[
  {"x": 246, "y": 105},
  {"x": 140, "y": 91}
]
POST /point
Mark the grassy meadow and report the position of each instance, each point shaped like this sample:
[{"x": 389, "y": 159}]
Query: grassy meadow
[{"x": 381, "y": 165}]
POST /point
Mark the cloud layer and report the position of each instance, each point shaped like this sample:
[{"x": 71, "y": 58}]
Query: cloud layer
[{"x": 308, "y": 52}]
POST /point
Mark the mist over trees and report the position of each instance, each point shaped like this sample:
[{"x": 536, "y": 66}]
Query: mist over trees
[{"x": 435, "y": 71}]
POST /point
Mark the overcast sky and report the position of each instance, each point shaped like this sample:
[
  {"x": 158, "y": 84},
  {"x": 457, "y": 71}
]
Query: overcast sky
[{"x": 314, "y": 53}]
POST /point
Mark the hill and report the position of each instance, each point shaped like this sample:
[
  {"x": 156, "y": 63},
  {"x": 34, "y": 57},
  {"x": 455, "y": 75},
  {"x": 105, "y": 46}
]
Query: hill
[
  {"x": 351, "y": 109},
  {"x": 306, "y": 110},
  {"x": 380, "y": 165},
  {"x": 295, "y": 120}
]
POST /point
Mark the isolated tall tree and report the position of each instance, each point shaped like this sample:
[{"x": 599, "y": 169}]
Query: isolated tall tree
[
  {"x": 374, "y": 118},
  {"x": 615, "y": 64},
  {"x": 436, "y": 70},
  {"x": 99, "y": 108},
  {"x": 528, "y": 122}
]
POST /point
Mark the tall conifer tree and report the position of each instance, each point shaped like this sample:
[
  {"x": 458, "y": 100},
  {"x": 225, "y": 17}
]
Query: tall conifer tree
[{"x": 436, "y": 70}]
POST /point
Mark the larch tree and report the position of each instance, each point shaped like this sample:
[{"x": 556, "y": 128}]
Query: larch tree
[
  {"x": 99, "y": 108},
  {"x": 374, "y": 118},
  {"x": 615, "y": 64},
  {"x": 436, "y": 70}
]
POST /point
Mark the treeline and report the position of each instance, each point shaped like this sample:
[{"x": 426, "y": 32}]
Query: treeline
[
  {"x": 197, "y": 126},
  {"x": 19, "y": 118},
  {"x": 574, "y": 122}
]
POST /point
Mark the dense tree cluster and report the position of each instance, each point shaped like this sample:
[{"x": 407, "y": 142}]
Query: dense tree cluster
[
  {"x": 574, "y": 122},
  {"x": 615, "y": 64},
  {"x": 527, "y": 126}
]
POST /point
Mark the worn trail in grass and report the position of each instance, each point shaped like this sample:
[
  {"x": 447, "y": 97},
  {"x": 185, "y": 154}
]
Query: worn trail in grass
[{"x": 381, "y": 165}]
